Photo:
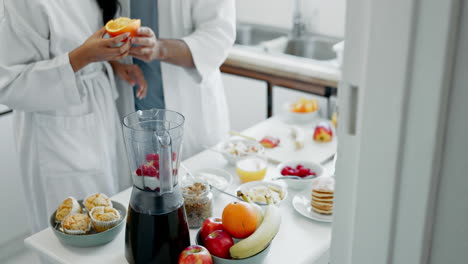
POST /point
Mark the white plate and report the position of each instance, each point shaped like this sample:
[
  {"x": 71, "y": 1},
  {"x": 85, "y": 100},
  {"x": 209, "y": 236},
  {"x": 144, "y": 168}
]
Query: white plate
[{"x": 301, "y": 202}]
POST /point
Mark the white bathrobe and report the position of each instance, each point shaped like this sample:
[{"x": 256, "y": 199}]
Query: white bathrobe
[{"x": 68, "y": 132}]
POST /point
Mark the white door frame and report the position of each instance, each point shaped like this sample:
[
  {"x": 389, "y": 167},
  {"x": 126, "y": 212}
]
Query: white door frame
[{"x": 387, "y": 175}]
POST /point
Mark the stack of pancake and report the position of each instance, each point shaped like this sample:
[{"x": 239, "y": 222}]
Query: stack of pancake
[{"x": 323, "y": 190}]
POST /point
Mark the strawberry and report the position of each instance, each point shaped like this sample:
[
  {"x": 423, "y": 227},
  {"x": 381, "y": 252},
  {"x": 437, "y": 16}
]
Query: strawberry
[
  {"x": 152, "y": 157},
  {"x": 303, "y": 172},
  {"x": 285, "y": 171},
  {"x": 147, "y": 170},
  {"x": 299, "y": 166}
]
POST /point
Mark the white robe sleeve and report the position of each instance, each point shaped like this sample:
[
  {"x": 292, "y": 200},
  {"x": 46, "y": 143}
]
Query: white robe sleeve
[
  {"x": 214, "y": 35},
  {"x": 29, "y": 79}
]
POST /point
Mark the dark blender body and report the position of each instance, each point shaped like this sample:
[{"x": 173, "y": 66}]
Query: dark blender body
[
  {"x": 152, "y": 235},
  {"x": 157, "y": 229}
]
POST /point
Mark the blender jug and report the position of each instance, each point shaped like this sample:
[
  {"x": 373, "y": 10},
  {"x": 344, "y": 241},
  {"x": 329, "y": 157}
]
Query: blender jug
[{"x": 156, "y": 230}]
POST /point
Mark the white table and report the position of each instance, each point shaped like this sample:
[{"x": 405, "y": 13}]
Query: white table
[{"x": 299, "y": 241}]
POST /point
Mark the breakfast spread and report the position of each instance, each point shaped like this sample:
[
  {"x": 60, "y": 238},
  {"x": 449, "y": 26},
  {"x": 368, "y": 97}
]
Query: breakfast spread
[
  {"x": 270, "y": 142},
  {"x": 323, "y": 132},
  {"x": 323, "y": 190},
  {"x": 68, "y": 206},
  {"x": 302, "y": 105},
  {"x": 198, "y": 201}
]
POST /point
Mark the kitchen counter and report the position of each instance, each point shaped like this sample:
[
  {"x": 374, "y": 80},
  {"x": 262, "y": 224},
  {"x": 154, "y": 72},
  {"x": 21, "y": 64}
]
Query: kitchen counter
[
  {"x": 324, "y": 73},
  {"x": 299, "y": 241},
  {"x": 283, "y": 70}
]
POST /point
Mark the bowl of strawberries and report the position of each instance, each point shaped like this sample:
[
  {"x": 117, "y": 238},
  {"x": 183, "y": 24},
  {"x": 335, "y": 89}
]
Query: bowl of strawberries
[{"x": 299, "y": 174}]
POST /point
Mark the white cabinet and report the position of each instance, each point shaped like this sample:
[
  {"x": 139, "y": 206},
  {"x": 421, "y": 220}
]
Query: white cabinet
[
  {"x": 246, "y": 100},
  {"x": 14, "y": 224}
]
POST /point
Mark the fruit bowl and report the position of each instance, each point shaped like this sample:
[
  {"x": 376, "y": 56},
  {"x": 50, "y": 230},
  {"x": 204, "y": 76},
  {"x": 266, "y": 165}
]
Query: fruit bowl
[
  {"x": 299, "y": 184},
  {"x": 235, "y": 149},
  {"x": 255, "y": 259},
  {"x": 298, "y": 117}
]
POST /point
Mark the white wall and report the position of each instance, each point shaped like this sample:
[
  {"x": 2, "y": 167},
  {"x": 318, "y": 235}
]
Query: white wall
[
  {"x": 449, "y": 242},
  {"x": 327, "y": 16}
]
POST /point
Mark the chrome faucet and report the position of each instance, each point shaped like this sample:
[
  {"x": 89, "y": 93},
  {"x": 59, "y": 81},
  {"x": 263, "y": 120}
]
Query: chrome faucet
[{"x": 299, "y": 25}]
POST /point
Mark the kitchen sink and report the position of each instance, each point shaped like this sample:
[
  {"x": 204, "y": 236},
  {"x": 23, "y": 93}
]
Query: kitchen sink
[
  {"x": 252, "y": 35},
  {"x": 311, "y": 48},
  {"x": 277, "y": 41}
]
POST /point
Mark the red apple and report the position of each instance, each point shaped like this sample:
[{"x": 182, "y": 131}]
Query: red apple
[
  {"x": 195, "y": 254},
  {"x": 218, "y": 243},
  {"x": 270, "y": 141},
  {"x": 209, "y": 225},
  {"x": 323, "y": 132}
]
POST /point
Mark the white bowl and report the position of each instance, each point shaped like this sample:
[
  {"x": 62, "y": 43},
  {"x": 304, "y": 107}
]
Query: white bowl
[
  {"x": 298, "y": 117},
  {"x": 299, "y": 184},
  {"x": 248, "y": 185},
  {"x": 209, "y": 175},
  {"x": 232, "y": 159}
]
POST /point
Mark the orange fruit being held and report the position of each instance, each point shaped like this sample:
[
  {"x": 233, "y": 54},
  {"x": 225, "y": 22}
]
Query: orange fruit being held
[
  {"x": 122, "y": 25},
  {"x": 240, "y": 219}
]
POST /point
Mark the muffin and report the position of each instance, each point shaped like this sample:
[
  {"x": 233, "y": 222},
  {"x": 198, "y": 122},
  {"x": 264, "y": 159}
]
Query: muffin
[
  {"x": 97, "y": 199},
  {"x": 323, "y": 190},
  {"x": 68, "y": 206},
  {"x": 104, "y": 218},
  {"x": 76, "y": 224}
]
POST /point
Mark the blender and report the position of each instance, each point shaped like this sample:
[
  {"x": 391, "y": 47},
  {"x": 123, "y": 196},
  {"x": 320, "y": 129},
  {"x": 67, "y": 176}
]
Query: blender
[{"x": 157, "y": 229}]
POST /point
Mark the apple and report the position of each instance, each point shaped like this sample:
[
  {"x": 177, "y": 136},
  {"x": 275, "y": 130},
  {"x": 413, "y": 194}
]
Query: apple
[
  {"x": 218, "y": 243},
  {"x": 323, "y": 132},
  {"x": 270, "y": 141},
  {"x": 209, "y": 225},
  {"x": 195, "y": 254}
]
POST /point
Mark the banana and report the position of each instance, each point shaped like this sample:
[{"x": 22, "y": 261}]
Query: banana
[{"x": 260, "y": 239}]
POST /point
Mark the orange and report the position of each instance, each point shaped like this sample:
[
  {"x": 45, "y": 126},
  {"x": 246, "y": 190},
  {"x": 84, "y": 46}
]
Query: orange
[
  {"x": 240, "y": 219},
  {"x": 122, "y": 25}
]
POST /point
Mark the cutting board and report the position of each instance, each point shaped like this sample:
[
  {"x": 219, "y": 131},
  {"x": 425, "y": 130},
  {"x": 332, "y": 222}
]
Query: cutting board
[{"x": 286, "y": 151}]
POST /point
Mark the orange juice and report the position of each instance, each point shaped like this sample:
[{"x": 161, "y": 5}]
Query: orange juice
[{"x": 251, "y": 169}]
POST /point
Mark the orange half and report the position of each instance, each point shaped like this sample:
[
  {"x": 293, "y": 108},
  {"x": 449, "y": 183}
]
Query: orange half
[{"x": 123, "y": 25}]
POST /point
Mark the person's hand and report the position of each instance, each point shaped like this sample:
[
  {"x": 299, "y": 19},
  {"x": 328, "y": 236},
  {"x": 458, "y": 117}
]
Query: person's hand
[
  {"x": 97, "y": 48},
  {"x": 132, "y": 74},
  {"x": 148, "y": 47}
]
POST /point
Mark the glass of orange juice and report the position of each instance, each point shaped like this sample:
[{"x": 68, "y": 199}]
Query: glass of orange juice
[{"x": 252, "y": 167}]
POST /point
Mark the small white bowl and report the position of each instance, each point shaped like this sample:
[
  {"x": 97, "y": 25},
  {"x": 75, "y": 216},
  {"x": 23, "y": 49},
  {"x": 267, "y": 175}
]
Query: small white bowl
[
  {"x": 232, "y": 159},
  {"x": 209, "y": 175},
  {"x": 299, "y": 184},
  {"x": 298, "y": 117}
]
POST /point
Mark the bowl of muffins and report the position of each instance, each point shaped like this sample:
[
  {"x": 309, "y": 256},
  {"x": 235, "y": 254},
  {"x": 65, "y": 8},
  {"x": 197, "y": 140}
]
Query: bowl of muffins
[{"x": 93, "y": 221}]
